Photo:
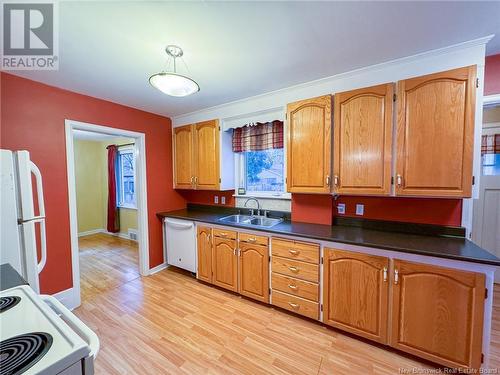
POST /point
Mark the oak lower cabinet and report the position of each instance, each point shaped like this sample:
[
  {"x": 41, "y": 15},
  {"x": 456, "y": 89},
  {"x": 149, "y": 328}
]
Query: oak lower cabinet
[
  {"x": 438, "y": 313},
  {"x": 204, "y": 244},
  {"x": 355, "y": 293},
  {"x": 243, "y": 269},
  {"x": 253, "y": 268},
  {"x": 225, "y": 263}
]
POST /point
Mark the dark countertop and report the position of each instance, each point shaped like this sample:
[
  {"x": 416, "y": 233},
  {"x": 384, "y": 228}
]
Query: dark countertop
[
  {"x": 442, "y": 247},
  {"x": 9, "y": 277}
]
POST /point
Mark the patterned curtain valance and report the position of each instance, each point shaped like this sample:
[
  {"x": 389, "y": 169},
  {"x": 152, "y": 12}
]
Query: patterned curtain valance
[
  {"x": 490, "y": 144},
  {"x": 261, "y": 136}
]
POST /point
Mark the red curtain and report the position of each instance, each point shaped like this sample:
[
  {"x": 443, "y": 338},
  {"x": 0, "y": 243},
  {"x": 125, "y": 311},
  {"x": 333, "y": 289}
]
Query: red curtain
[
  {"x": 113, "y": 217},
  {"x": 259, "y": 136}
]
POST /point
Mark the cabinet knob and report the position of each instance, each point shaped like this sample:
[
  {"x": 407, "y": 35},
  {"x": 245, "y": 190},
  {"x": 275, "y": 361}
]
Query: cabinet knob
[{"x": 399, "y": 180}]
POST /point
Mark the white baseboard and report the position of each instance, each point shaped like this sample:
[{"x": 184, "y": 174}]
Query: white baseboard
[
  {"x": 158, "y": 268},
  {"x": 67, "y": 298},
  {"x": 91, "y": 232}
]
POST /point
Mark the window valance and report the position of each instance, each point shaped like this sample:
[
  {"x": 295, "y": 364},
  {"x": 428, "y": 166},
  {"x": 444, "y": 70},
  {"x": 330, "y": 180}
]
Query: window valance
[
  {"x": 259, "y": 136},
  {"x": 490, "y": 144}
]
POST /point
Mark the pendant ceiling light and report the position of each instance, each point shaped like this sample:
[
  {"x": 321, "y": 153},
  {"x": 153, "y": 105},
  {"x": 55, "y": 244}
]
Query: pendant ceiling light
[{"x": 171, "y": 83}]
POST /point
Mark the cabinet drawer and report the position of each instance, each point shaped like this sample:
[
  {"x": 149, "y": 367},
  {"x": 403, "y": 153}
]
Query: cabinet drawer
[
  {"x": 251, "y": 238},
  {"x": 222, "y": 233},
  {"x": 294, "y": 268},
  {"x": 306, "y": 252},
  {"x": 297, "y": 287},
  {"x": 295, "y": 304}
]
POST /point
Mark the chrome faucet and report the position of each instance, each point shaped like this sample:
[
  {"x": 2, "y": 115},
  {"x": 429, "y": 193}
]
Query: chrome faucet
[{"x": 256, "y": 201}]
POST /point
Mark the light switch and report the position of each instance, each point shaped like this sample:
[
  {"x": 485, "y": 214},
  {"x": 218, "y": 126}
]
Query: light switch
[
  {"x": 216, "y": 199},
  {"x": 223, "y": 200},
  {"x": 341, "y": 208},
  {"x": 360, "y": 209}
]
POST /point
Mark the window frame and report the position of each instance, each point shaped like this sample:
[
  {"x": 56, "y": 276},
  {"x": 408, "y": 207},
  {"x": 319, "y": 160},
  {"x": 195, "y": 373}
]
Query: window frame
[{"x": 119, "y": 179}]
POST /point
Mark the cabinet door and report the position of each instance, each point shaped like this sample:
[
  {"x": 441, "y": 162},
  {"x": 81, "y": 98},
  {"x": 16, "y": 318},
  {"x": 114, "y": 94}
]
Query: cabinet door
[
  {"x": 225, "y": 264},
  {"x": 205, "y": 254},
  {"x": 309, "y": 145},
  {"x": 435, "y": 134},
  {"x": 363, "y": 140},
  {"x": 253, "y": 269},
  {"x": 206, "y": 140},
  {"x": 183, "y": 157},
  {"x": 355, "y": 293},
  {"x": 438, "y": 313}
]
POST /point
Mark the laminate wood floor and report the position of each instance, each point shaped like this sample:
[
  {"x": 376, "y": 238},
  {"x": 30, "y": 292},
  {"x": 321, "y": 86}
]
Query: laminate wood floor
[{"x": 170, "y": 323}]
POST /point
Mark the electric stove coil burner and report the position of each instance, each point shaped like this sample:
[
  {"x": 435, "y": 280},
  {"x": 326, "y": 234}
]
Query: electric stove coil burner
[
  {"x": 8, "y": 302},
  {"x": 19, "y": 353}
]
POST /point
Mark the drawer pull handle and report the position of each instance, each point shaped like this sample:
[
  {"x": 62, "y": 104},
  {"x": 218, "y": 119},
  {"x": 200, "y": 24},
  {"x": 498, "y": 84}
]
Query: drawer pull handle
[
  {"x": 293, "y": 269},
  {"x": 223, "y": 234},
  {"x": 396, "y": 277},
  {"x": 293, "y": 287},
  {"x": 294, "y": 305},
  {"x": 252, "y": 239},
  {"x": 385, "y": 274},
  {"x": 293, "y": 252}
]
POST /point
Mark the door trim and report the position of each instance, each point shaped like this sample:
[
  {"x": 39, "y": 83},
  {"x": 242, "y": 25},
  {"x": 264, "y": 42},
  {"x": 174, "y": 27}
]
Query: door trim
[{"x": 142, "y": 202}]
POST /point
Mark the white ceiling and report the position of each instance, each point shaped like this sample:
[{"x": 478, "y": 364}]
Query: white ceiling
[
  {"x": 84, "y": 135},
  {"x": 239, "y": 49}
]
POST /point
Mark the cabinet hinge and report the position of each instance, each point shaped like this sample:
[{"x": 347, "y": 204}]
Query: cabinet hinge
[
  {"x": 321, "y": 260},
  {"x": 486, "y": 293},
  {"x": 477, "y": 82},
  {"x": 321, "y": 307},
  {"x": 394, "y": 96},
  {"x": 482, "y": 358},
  {"x": 473, "y": 180},
  {"x": 392, "y": 180},
  {"x": 220, "y": 180},
  {"x": 269, "y": 290}
]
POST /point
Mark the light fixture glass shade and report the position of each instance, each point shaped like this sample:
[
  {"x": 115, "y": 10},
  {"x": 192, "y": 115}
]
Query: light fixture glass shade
[{"x": 174, "y": 84}]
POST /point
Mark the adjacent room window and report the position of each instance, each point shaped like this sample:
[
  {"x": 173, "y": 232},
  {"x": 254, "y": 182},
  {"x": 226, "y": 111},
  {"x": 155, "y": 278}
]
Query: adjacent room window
[
  {"x": 260, "y": 157},
  {"x": 490, "y": 154},
  {"x": 126, "y": 178}
]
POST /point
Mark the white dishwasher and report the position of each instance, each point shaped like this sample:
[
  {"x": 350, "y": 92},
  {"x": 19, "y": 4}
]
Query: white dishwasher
[{"x": 180, "y": 238}]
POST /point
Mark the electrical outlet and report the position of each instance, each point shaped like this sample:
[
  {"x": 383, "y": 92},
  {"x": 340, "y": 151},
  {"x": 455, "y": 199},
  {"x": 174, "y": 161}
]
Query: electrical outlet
[
  {"x": 223, "y": 200},
  {"x": 216, "y": 199},
  {"x": 341, "y": 208},
  {"x": 360, "y": 209}
]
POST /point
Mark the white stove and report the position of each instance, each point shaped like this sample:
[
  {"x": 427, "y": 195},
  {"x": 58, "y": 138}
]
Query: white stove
[{"x": 38, "y": 335}]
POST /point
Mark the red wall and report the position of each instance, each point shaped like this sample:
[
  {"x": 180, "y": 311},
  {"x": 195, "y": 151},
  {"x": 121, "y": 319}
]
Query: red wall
[
  {"x": 312, "y": 208},
  {"x": 207, "y": 196},
  {"x": 32, "y": 119},
  {"x": 492, "y": 75}
]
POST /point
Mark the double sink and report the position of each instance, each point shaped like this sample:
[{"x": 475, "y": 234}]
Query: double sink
[{"x": 256, "y": 221}]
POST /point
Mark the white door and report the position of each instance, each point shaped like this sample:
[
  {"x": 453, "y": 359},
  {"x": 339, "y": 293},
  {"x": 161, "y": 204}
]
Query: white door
[{"x": 486, "y": 226}]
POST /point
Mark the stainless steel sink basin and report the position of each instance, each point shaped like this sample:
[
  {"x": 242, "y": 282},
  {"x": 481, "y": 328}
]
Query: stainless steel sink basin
[
  {"x": 237, "y": 219},
  {"x": 259, "y": 221}
]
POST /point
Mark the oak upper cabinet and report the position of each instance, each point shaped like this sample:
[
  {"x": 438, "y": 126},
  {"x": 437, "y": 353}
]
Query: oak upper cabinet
[
  {"x": 203, "y": 157},
  {"x": 435, "y": 131},
  {"x": 355, "y": 293},
  {"x": 438, "y": 313},
  {"x": 309, "y": 145},
  {"x": 253, "y": 267},
  {"x": 204, "y": 244},
  {"x": 206, "y": 140},
  {"x": 225, "y": 260},
  {"x": 363, "y": 140},
  {"x": 183, "y": 157}
]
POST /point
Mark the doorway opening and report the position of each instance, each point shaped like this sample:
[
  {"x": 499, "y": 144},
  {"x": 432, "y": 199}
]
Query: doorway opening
[
  {"x": 108, "y": 207},
  {"x": 486, "y": 214}
]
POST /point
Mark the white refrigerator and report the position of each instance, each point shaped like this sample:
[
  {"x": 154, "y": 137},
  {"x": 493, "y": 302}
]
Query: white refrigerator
[{"x": 20, "y": 190}]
